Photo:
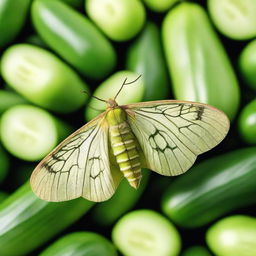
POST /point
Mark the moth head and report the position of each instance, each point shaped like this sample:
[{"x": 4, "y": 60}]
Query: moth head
[{"x": 111, "y": 103}]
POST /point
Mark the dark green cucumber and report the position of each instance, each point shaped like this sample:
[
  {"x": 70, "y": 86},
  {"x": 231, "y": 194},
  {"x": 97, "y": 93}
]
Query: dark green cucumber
[
  {"x": 74, "y": 37},
  {"x": 81, "y": 244},
  {"x": 27, "y": 222},
  {"x": 212, "y": 189},
  {"x": 123, "y": 200},
  {"x": 145, "y": 57},
  {"x": 12, "y": 18}
]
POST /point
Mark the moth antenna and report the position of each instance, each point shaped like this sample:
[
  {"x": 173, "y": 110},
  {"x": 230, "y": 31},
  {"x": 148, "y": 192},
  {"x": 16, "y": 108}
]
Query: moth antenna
[
  {"x": 124, "y": 83},
  {"x": 94, "y": 96}
]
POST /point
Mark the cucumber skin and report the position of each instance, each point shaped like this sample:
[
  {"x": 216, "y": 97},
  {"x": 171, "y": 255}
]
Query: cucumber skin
[
  {"x": 96, "y": 60},
  {"x": 80, "y": 244},
  {"x": 27, "y": 222},
  {"x": 198, "y": 64},
  {"x": 212, "y": 189},
  {"x": 145, "y": 56},
  {"x": 12, "y": 17}
]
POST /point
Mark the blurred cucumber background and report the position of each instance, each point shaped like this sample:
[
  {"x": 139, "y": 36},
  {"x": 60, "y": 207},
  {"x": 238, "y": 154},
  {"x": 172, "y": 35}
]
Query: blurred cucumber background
[{"x": 53, "y": 50}]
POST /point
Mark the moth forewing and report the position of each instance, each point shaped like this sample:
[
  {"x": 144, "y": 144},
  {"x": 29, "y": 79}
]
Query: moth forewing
[
  {"x": 172, "y": 133},
  {"x": 67, "y": 172}
]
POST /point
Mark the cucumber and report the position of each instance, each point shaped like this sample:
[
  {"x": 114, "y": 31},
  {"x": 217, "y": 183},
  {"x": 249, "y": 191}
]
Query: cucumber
[
  {"x": 4, "y": 164},
  {"x": 9, "y": 99},
  {"x": 247, "y": 64},
  {"x": 124, "y": 199},
  {"x": 146, "y": 233},
  {"x": 13, "y": 15},
  {"x": 212, "y": 189},
  {"x": 247, "y": 123},
  {"x": 27, "y": 222},
  {"x": 120, "y": 20},
  {"x": 42, "y": 78},
  {"x": 235, "y": 19},
  {"x": 198, "y": 64},
  {"x": 145, "y": 57},
  {"x": 108, "y": 89},
  {"x": 29, "y": 132},
  {"x": 74, "y": 38},
  {"x": 235, "y": 235},
  {"x": 81, "y": 244}
]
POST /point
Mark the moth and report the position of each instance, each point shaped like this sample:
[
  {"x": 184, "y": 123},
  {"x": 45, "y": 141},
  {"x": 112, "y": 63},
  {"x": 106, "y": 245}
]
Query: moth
[{"x": 165, "y": 136}]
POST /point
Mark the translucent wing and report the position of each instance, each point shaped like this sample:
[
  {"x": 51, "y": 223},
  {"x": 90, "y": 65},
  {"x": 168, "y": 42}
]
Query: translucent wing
[
  {"x": 172, "y": 133},
  {"x": 79, "y": 167}
]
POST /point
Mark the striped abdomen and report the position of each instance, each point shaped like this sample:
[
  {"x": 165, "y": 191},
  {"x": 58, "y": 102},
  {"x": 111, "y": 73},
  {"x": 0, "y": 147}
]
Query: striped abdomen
[{"x": 124, "y": 147}]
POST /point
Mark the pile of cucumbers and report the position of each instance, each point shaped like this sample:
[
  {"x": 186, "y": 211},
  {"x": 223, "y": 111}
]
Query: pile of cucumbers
[{"x": 55, "y": 54}]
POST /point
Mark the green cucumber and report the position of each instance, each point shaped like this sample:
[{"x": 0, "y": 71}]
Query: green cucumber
[
  {"x": 27, "y": 222},
  {"x": 247, "y": 123},
  {"x": 212, "y": 189},
  {"x": 247, "y": 64},
  {"x": 145, "y": 57},
  {"x": 42, "y": 78},
  {"x": 231, "y": 236},
  {"x": 9, "y": 99},
  {"x": 12, "y": 18},
  {"x": 81, "y": 244},
  {"x": 4, "y": 164},
  {"x": 108, "y": 89},
  {"x": 74, "y": 37},
  {"x": 146, "y": 233},
  {"x": 29, "y": 132},
  {"x": 120, "y": 20},
  {"x": 124, "y": 199},
  {"x": 234, "y": 18},
  {"x": 198, "y": 64}
]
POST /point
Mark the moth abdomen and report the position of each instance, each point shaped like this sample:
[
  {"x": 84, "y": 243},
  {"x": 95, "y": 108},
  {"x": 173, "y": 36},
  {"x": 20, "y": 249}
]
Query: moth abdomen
[{"x": 123, "y": 143}]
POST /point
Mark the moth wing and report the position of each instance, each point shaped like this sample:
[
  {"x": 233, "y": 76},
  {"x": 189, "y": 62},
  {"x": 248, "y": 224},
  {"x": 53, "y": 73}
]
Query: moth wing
[
  {"x": 172, "y": 133},
  {"x": 79, "y": 167}
]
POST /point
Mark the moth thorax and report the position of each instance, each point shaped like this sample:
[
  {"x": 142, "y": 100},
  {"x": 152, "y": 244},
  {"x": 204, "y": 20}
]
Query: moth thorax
[{"x": 124, "y": 146}]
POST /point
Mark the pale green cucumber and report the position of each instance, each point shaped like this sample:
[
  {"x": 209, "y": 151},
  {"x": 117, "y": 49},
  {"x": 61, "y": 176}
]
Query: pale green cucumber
[
  {"x": 29, "y": 132},
  {"x": 42, "y": 78},
  {"x": 146, "y": 233},
  {"x": 233, "y": 236}
]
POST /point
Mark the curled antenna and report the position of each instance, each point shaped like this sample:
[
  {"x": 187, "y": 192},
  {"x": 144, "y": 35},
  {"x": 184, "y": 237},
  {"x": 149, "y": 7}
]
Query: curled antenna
[
  {"x": 95, "y": 97},
  {"x": 125, "y": 83}
]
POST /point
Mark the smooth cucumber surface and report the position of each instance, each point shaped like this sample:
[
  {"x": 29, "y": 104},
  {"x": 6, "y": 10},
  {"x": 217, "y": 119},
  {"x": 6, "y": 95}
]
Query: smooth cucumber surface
[
  {"x": 74, "y": 37},
  {"x": 212, "y": 188},
  {"x": 27, "y": 222},
  {"x": 145, "y": 56}
]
